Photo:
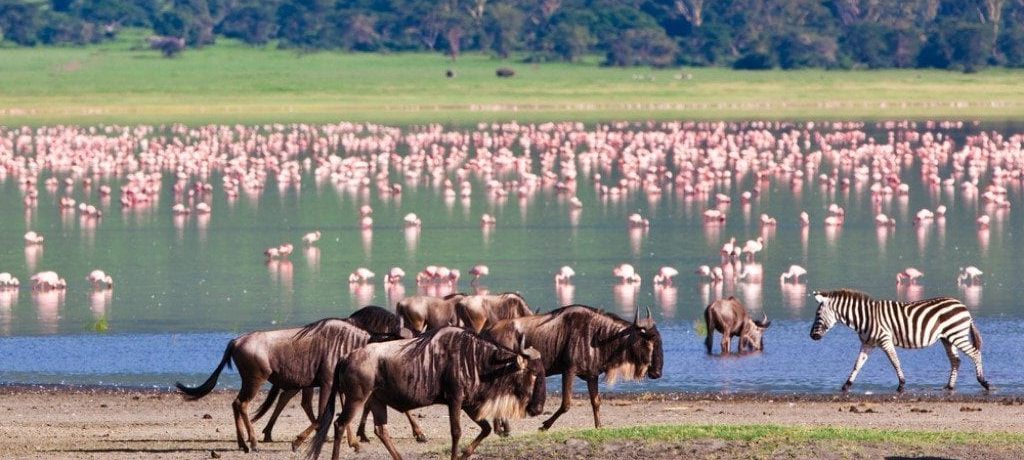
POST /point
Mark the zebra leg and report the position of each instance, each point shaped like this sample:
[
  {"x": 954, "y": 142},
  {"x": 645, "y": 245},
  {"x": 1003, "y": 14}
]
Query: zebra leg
[
  {"x": 975, "y": 354},
  {"x": 954, "y": 362},
  {"x": 890, "y": 351},
  {"x": 865, "y": 350}
]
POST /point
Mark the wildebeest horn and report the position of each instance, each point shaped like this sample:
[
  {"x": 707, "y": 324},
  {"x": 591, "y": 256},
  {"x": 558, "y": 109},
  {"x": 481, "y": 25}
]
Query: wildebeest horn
[
  {"x": 648, "y": 312},
  {"x": 636, "y": 315},
  {"x": 522, "y": 342}
]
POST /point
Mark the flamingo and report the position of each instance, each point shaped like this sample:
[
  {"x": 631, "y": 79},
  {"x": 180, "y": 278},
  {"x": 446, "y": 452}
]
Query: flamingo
[
  {"x": 361, "y": 275},
  {"x": 45, "y": 281},
  {"x": 793, "y": 275},
  {"x": 203, "y": 208},
  {"x": 428, "y": 274},
  {"x": 488, "y": 220},
  {"x": 100, "y": 280},
  {"x": 983, "y": 222},
  {"x": 564, "y": 275},
  {"x": 365, "y": 210},
  {"x": 805, "y": 219},
  {"x": 626, "y": 273},
  {"x": 728, "y": 248},
  {"x": 665, "y": 275},
  {"x": 883, "y": 220},
  {"x": 703, "y": 272},
  {"x": 411, "y": 220},
  {"x": 752, "y": 247},
  {"x": 717, "y": 275},
  {"x": 969, "y": 276},
  {"x": 479, "y": 271},
  {"x": 637, "y": 221},
  {"x": 310, "y": 238},
  {"x": 8, "y": 281},
  {"x": 910, "y": 275},
  {"x": 394, "y": 276},
  {"x": 33, "y": 238}
]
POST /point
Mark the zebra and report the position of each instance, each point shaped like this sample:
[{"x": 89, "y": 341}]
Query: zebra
[{"x": 889, "y": 324}]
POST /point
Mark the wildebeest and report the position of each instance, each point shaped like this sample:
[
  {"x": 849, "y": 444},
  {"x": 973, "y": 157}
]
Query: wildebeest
[
  {"x": 504, "y": 72},
  {"x": 581, "y": 341},
  {"x": 448, "y": 366},
  {"x": 424, "y": 313},
  {"x": 290, "y": 359},
  {"x": 477, "y": 312},
  {"x": 378, "y": 322},
  {"x": 728, "y": 317}
]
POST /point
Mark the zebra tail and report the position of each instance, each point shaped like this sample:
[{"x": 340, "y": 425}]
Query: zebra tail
[{"x": 976, "y": 336}]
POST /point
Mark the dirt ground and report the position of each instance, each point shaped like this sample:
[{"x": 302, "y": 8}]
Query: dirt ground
[{"x": 114, "y": 424}]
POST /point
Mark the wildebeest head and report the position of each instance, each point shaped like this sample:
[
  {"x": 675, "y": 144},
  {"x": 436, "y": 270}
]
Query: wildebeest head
[
  {"x": 639, "y": 351},
  {"x": 753, "y": 336},
  {"x": 825, "y": 317},
  {"x": 524, "y": 371}
]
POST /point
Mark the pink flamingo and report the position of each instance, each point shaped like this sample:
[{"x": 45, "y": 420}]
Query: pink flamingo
[
  {"x": 626, "y": 273},
  {"x": 794, "y": 274},
  {"x": 487, "y": 220},
  {"x": 428, "y": 274},
  {"x": 100, "y": 280},
  {"x": 969, "y": 276},
  {"x": 752, "y": 247},
  {"x": 411, "y": 220},
  {"x": 394, "y": 276},
  {"x": 665, "y": 275},
  {"x": 33, "y": 238},
  {"x": 361, "y": 275},
  {"x": 910, "y": 275},
  {"x": 310, "y": 238},
  {"x": 479, "y": 271},
  {"x": 564, "y": 275},
  {"x": 8, "y": 281},
  {"x": 805, "y": 219}
]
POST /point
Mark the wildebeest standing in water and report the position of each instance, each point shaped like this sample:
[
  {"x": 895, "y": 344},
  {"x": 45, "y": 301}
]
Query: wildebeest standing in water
[
  {"x": 580, "y": 341},
  {"x": 290, "y": 359},
  {"x": 381, "y": 324},
  {"x": 728, "y": 317},
  {"x": 423, "y": 313},
  {"x": 478, "y": 312},
  {"x": 448, "y": 366}
]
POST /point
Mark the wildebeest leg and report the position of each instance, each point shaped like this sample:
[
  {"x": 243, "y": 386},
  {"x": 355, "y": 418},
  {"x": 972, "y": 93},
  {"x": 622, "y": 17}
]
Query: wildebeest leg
[
  {"x": 417, "y": 432},
  {"x": 454, "y": 412},
  {"x": 890, "y": 350},
  {"x": 865, "y": 350},
  {"x": 241, "y": 409},
  {"x": 485, "y": 430},
  {"x": 567, "y": 379},
  {"x": 595, "y": 400},
  {"x": 282, "y": 402},
  {"x": 361, "y": 431},
  {"x": 325, "y": 395},
  {"x": 726, "y": 343},
  {"x": 380, "y": 423},
  {"x": 502, "y": 427},
  {"x": 353, "y": 405},
  {"x": 709, "y": 341}
]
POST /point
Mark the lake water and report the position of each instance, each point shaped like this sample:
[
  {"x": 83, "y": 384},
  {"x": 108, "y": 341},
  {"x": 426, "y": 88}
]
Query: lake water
[{"x": 184, "y": 285}]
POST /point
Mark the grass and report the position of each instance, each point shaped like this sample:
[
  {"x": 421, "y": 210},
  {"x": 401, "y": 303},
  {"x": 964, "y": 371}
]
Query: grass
[
  {"x": 669, "y": 433},
  {"x": 123, "y": 82}
]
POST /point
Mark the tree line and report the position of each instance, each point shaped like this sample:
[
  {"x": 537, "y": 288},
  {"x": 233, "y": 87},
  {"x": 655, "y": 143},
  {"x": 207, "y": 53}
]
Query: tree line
[{"x": 746, "y": 34}]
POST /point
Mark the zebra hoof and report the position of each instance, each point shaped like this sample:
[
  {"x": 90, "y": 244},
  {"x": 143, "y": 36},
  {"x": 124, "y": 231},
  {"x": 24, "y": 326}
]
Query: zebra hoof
[
  {"x": 899, "y": 389},
  {"x": 985, "y": 385},
  {"x": 846, "y": 387}
]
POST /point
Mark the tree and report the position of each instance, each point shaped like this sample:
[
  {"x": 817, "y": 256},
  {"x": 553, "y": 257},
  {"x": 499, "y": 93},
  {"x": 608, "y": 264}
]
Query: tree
[
  {"x": 643, "y": 47},
  {"x": 504, "y": 24},
  {"x": 252, "y": 23},
  {"x": 971, "y": 46},
  {"x": 20, "y": 20}
]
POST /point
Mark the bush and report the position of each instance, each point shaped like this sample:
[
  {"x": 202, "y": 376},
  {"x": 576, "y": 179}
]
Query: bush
[
  {"x": 1011, "y": 47},
  {"x": 643, "y": 47},
  {"x": 754, "y": 61}
]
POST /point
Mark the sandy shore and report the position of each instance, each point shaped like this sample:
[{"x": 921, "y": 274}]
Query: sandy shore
[{"x": 115, "y": 424}]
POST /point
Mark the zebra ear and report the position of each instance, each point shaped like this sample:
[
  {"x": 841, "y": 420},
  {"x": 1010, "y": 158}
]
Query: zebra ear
[{"x": 820, "y": 298}]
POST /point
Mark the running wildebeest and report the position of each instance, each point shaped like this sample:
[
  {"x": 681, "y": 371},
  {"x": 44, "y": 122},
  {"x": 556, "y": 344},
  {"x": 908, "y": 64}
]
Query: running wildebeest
[
  {"x": 380, "y": 323},
  {"x": 448, "y": 366},
  {"x": 290, "y": 359},
  {"x": 728, "y": 317},
  {"x": 477, "y": 312},
  {"x": 424, "y": 313},
  {"x": 580, "y": 341}
]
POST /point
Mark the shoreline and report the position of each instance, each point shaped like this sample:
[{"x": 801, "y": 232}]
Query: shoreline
[{"x": 108, "y": 423}]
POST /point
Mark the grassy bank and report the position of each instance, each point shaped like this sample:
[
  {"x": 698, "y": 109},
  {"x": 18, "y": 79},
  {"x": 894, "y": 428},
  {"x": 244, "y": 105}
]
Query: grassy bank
[
  {"x": 123, "y": 82},
  {"x": 755, "y": 441}
]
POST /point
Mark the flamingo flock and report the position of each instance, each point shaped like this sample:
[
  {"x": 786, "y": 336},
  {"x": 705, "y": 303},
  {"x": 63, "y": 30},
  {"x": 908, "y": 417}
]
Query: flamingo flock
[{"x": 723, "y": 170}]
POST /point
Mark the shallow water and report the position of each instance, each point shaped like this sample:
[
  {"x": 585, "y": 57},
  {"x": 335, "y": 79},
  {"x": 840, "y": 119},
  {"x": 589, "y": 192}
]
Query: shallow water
[{"x": 184, "y": 286}]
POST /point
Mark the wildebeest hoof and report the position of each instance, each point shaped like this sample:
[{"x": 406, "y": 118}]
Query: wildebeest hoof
[
  {"x": 420, "y": 438},
  {"x": 267, "y": 438},
  {"x": 245, "y": 449},
  {"x": 295, "y": 445},
  {"x": 363, "y": 438}
]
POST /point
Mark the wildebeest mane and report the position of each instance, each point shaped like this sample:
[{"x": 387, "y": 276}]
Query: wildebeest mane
[
  {"x": 453, "y": 295},
  {"x": 375, "y": 320}
]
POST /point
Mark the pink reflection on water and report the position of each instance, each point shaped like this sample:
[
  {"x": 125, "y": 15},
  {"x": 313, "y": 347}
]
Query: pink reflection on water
[
  {"x": 565, "y": 293},
  {"x": 33, "y": 254},
  {"x": 8, "y": 299},
  {"x": 281, "y": 272},
  {"x": 362, "y": 293},
  {"x": 909, "y": 292},
  {"x": 395, "y": 293},
  {"x": 636, "y": 239},
  {"x": 99, "y": 302},
  {"x": 794, "y": 296},
  {"x": 48, "y": 305},
  {"x": 971, "y": 295},
  {"x": 412, "y": 239},
  {"x": 367, "y": 236},
  {"x": 667, "y": 299},
  {"x": 625, "y": 295},
  {"x": 312, "y": 254}
]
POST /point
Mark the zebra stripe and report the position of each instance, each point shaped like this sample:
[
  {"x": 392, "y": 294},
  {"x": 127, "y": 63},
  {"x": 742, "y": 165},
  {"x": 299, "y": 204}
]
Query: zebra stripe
[{"x": 889, "y": 324}]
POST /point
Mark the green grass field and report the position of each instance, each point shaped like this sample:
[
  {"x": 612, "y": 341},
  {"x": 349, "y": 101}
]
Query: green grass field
[{"x": 123, "y": 82}]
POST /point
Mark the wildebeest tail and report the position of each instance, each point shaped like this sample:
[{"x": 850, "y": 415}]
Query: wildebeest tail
[
  {"x": 976, "y": 336},
  {"x": 210, "y": 383},
  {"x": 326, "y": 417},
  {"x": 267, "y": 403}
]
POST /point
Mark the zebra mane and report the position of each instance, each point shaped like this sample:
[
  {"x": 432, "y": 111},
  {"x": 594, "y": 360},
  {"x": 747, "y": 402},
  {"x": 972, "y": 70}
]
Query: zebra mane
[{"x": 847, "y": 294}]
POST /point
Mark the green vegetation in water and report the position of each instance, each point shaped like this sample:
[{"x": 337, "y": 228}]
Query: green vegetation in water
[
  {"x": 120, "y": 82},
  {"x": 101, "y": 324}
]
